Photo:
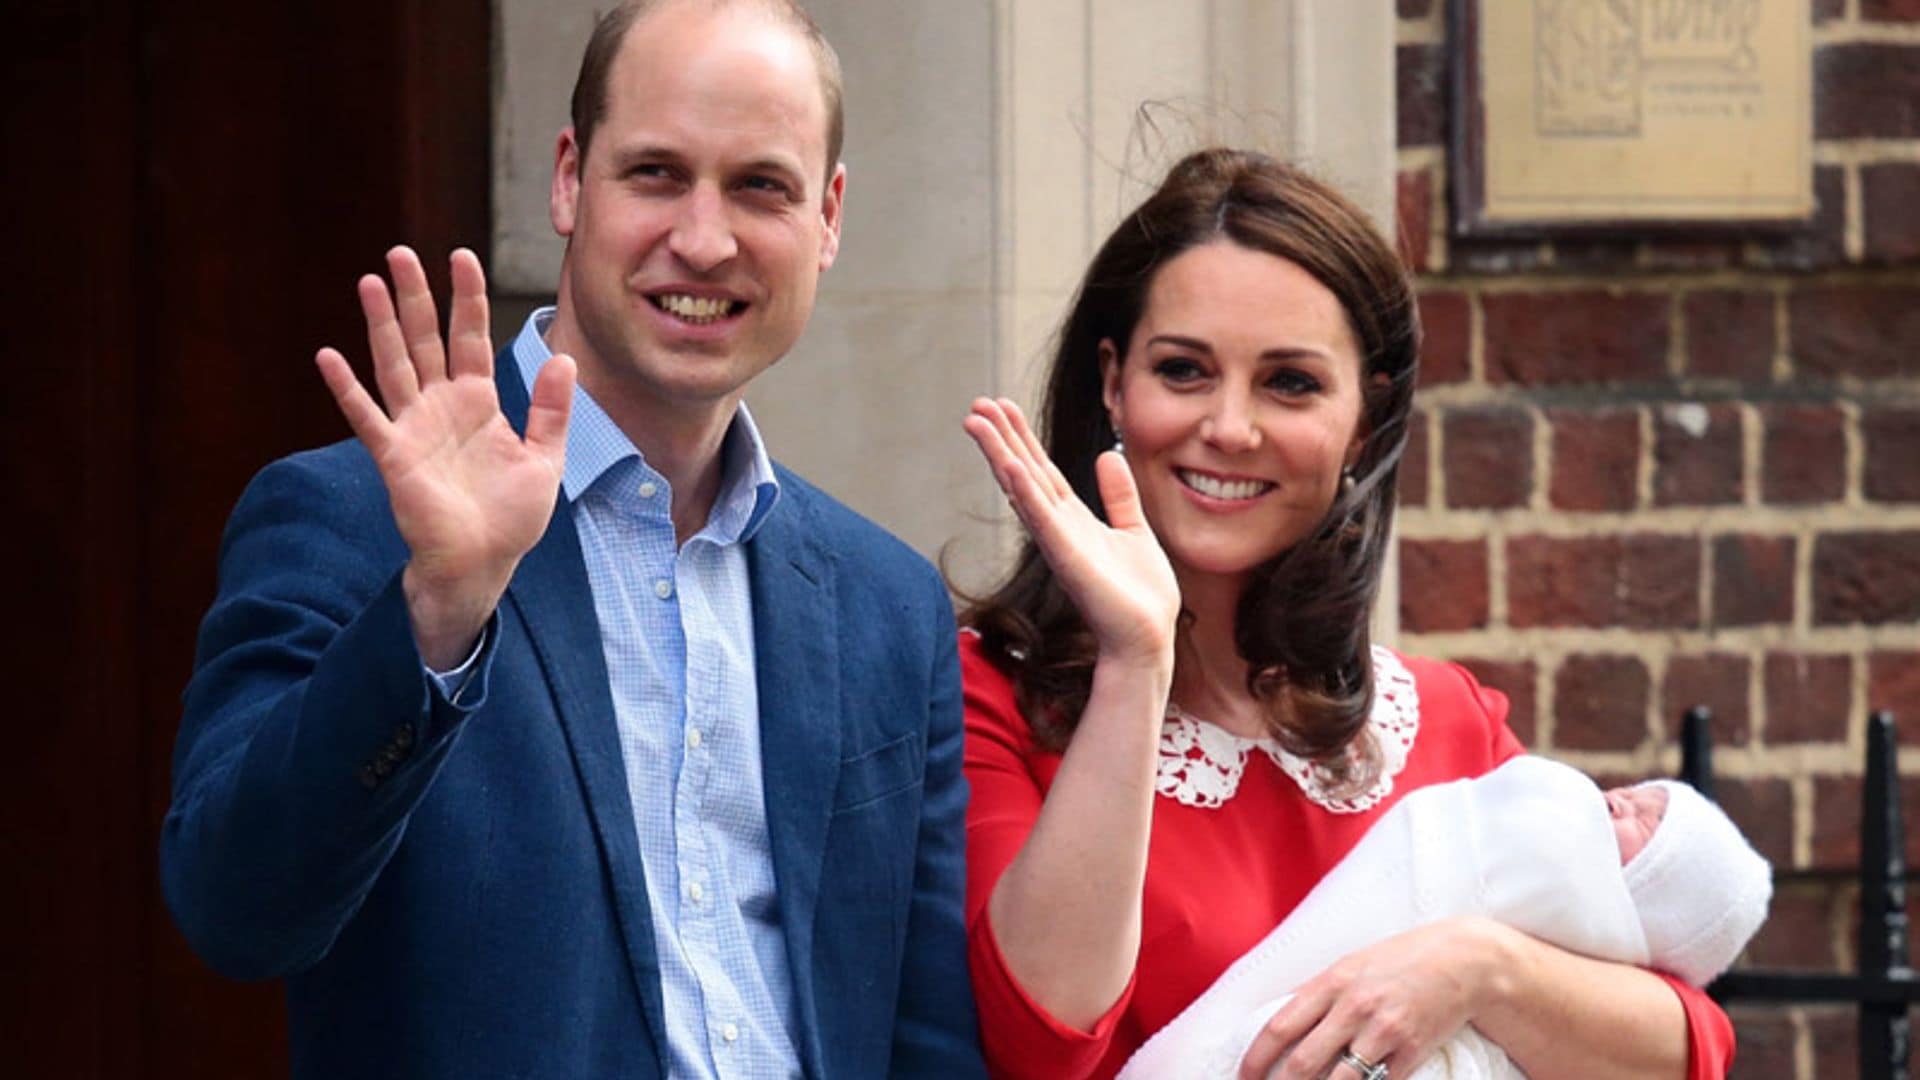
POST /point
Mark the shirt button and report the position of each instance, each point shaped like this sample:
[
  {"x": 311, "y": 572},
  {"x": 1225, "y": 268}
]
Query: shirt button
[
  {"x": 729, "y": 1032},
  {"x": 693, "y": 738},
  {"x": 695, "y": 892},
  {"x": 648, "y": 489},
  {"x": 663, "y": 588}
]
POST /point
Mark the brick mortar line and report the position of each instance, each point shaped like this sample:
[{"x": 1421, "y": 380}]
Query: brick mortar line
[
  {"x": 1803, "y": 580},
  {"x": 1643, "y": 463},
  {"x": 1752, "y": 450},
  {"x": 1853, "y": 442},
  {"x": 1428, "y": 29},
  {"x": 1423, "y": 156},
  {"x": 1688, "y": 390},
  {"x": 1866, "y": 151},
  {"x": 1542, "y": 643},
  {"x": 1857, "y": 32},
  {"x": 1497, "y": 601},
  {"x": 1791, "y": 762},
  {"x": 1630, "y": 280},
  {"x": 1676, "y": 521}
]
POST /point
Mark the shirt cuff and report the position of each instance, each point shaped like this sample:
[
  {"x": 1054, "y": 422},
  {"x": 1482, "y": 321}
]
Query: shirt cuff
[{"x": 458, "y": 684}]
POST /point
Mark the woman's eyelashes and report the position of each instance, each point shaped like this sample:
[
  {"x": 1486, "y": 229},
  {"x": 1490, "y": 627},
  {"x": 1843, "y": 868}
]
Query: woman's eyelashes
[{"x": 1286, "y": 380}]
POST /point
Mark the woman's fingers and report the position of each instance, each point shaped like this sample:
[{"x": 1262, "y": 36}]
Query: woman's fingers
[
  {"x": 1037, "y": 453},
  {"x": 1119, "y": 495}
]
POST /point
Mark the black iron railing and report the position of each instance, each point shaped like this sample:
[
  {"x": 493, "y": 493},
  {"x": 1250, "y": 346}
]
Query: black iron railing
[{"x": 1884, "y": 987}]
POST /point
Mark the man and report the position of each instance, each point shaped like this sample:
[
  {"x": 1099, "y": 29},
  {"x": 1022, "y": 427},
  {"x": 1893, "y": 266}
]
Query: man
[{"x": 553, "y": 731}]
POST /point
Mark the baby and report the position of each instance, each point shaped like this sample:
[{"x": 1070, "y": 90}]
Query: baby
[{"x": 1653, "y": 875}]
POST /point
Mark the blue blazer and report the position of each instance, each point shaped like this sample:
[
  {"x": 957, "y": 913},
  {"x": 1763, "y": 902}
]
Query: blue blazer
[{"x": 457, "y": 891}]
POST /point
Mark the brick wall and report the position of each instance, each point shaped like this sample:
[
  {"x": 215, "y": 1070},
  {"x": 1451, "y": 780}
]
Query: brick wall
[{"x": 1649, "y": 474}]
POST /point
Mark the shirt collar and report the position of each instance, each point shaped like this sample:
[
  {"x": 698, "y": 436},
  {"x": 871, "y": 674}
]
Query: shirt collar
[{"x": 596, "y": 445}]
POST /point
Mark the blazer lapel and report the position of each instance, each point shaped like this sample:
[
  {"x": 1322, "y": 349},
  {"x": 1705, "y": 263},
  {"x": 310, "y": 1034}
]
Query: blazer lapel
[
  {"x": 797, "y": 654},
  {"x": 551, "y": 593}
]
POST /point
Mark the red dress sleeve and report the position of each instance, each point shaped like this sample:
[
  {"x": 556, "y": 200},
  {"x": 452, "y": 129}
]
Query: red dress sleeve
[
  {"x": 1020, "y": 1037},
  {"x": 1709, "y": 1032}
]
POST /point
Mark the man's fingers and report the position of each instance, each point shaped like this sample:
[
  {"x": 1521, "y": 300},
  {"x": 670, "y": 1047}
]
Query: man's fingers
[
  {"x": 392, "y": 371},
  {"x": 551, "y": 405},
  {"x": 363, "y": 416},
  {"x": 469, "y": 336},
  {"x": 419, "y": 321}
]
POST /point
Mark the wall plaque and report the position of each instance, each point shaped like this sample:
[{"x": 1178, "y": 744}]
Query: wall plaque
[{"x": 1576, "y": 114}]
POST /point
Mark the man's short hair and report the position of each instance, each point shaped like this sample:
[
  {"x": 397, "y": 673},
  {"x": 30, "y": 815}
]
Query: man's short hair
[{"x": 590, "y": 87}]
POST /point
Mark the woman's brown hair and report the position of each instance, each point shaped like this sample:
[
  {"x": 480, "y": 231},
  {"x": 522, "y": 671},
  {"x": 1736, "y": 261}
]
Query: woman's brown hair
[{"x": 1301, "y": 625}]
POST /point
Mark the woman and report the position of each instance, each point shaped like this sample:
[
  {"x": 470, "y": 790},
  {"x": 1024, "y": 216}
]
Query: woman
[{"x": 1176, "y": 720}]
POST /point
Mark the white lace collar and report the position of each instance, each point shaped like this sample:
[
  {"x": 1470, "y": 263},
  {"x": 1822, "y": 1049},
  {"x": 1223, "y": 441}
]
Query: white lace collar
[{"x": 1200, "y": 764}]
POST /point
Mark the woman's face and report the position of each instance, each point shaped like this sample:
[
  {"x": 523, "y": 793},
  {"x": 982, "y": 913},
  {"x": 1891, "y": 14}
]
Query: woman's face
[{"x": 1239, "y": 401}]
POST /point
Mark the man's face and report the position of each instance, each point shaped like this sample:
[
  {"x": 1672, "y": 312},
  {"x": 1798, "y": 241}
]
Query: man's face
[{"x": 700, "y": 219}]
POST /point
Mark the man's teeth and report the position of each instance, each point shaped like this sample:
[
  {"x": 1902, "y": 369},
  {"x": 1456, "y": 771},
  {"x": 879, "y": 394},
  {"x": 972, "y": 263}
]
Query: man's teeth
[
  {"x": 1223, "y": 489},
  {"x": 694, "y": 309}
]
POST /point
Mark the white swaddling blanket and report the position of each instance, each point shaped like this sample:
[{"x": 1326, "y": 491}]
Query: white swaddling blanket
[{"x": 1529, "y": 844}]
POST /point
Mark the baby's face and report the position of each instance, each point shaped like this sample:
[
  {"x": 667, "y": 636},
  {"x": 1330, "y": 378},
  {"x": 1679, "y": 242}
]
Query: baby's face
[{"x": 1636, "y": 813}]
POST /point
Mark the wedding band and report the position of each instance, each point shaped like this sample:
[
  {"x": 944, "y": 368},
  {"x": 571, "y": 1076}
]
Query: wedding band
[{"x": 1366, "y": 1069}]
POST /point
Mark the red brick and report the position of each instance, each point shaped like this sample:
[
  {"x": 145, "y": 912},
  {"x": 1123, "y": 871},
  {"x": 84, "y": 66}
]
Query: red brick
[
  {"x": 1443, "y": 585},
  {"x": 1828, "y": 10},
  {"x": 1893, "y": 684},
  {"x": 1822, "y": 241},
  {"x": 1718, "y": 681},
  {"x": 1413, "y": 462},
  {"x": 1515, "y": 679},
  {"x": 1765, "y": 1036},
  {"x": 1413, "y": 9},
  {"x": 1892, "y": 444},
  {"x": 1445, "y": 319},
  {"x": 1600, "y": 702},
  {"x": 1809, "y": 697},
  {"x": 1413, "y": 199},
  {"x": 1798, "y": 932},
  {"x": 1763, "y": 808},
  {"x": 1869, "y": 578},
  {"x": 1694, "y": 466},
  {"x": 1803, "y": 455},
  {"x": 1855, "y": 330},
  {"x": 1576, "y": 336},
  {"x": 1834, "y": 1031},
  {"x": 1890, "y": 10},
  {"x": 1596, "y": 458},
  {"x": 1866, "y": 91},
  {"x": 1641, "y": 581},
  {"x": 1752, "y": 580},
  {"x": 1730, "y": 333},
  {"x": 1487, "y": 455},
  {"x": 1836, "y": 820},
  {"x": 1420, "y": 86},
  {"x": 1890, "y": 211}
]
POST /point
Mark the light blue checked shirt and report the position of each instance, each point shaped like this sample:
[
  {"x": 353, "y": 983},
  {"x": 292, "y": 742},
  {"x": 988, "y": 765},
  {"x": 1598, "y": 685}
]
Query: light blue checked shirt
[{"x": 677, "y": 628}]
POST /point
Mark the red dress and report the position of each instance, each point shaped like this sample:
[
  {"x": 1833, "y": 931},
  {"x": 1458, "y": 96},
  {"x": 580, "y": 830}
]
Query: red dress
[{"x": 1218, "y": 877}]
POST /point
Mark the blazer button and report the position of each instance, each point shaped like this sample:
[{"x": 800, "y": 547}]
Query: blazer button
[
  {"x": 368, "y": 778},
  {"x": 403, "y": 736}
]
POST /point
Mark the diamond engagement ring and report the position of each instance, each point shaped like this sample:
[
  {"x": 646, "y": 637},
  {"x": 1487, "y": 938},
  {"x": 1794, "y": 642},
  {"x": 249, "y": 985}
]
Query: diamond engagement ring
[{"x": 1366, "y": 1069}]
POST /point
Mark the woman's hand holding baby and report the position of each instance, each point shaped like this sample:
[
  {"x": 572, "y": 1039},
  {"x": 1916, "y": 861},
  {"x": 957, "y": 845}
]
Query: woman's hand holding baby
[{"x": 1391, "y": 1003}]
